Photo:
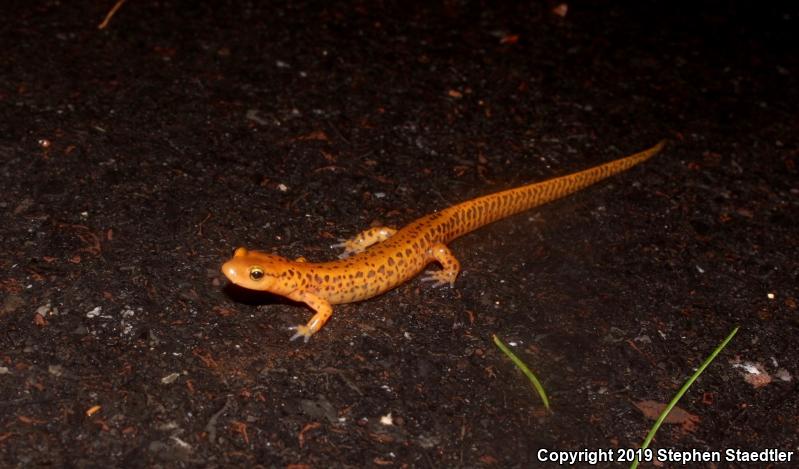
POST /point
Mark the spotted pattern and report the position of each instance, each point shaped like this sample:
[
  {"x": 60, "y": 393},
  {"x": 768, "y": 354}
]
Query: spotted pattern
[{"x": 382, "y": 258}]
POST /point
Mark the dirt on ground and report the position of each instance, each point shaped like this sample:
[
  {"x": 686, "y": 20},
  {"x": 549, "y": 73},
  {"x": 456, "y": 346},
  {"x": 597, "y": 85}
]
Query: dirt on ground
[{"x": 134, "y": 157}]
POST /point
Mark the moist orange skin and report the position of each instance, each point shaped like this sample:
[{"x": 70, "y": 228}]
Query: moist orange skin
[{"x": 382, "y": 258}]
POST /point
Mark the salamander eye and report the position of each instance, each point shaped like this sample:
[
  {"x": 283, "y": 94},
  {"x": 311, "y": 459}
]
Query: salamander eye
[{"x": 256, "y": 273}]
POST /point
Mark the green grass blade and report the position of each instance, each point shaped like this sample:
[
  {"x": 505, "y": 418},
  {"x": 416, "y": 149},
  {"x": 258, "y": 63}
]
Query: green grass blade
[
  {"x": 520, "y": 364},
  {"x": 682, "y": 391}
]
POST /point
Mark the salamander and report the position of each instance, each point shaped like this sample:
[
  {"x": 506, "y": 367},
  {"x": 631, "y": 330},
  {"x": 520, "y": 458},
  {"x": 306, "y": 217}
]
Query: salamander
[{"x": 381, "y": 258}]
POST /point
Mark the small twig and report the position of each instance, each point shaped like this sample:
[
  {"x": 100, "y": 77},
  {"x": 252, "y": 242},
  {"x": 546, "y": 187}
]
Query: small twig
[
  {"x": 210, "y": 427},
  {"x": 645, "y": 355},
  {"x": 305, "y": 429},
  {"x": 200, "y": 226},
  {"x": 113, "y": 10}
]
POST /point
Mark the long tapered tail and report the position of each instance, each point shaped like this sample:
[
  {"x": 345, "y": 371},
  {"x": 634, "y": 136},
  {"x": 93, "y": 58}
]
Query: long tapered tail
[{"x": 487, "y": 209}]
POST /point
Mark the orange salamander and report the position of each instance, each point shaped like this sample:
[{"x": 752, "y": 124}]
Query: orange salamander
[{"x": 382, "y": 258}]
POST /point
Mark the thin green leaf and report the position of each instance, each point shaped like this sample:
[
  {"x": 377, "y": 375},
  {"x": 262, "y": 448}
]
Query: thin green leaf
[
  {"x": 682, "y": 391},
  {"x": 520, "y": 364}
]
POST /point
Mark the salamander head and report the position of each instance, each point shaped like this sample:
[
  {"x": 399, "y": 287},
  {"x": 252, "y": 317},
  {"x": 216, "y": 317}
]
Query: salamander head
[{"x": 255, "y": 270}]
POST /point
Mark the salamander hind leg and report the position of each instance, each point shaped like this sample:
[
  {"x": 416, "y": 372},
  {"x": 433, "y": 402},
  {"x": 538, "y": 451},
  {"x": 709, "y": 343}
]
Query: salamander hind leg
[
  {"x": 450, "y": 267},
  {"x": 323, "y": 313},
  {"x": 363, "y": 240}
]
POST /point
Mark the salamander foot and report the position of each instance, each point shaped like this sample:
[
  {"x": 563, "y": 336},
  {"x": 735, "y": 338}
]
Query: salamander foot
[
  {"x": 350, "y": 248},
  {"x": 363, "y": 240},
  {"x": 301, "y": 331},
  {"x": 440, "y": 278}
]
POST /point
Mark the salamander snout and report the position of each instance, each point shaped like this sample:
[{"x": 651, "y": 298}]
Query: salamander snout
[{"x": 252, "y": 269}]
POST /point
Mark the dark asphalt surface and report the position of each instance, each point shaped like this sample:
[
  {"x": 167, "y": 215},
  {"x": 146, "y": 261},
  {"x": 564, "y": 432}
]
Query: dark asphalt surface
[{"x": 136, "y": 157}]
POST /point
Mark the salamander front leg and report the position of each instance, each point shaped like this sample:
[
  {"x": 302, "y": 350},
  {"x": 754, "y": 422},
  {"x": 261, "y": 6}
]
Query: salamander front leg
[
  {"x": 450, "y": 270},
  {"x": 323, "y": 313},
  {"x": 363, "y": 240}
]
